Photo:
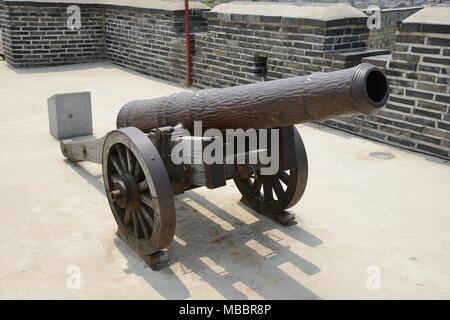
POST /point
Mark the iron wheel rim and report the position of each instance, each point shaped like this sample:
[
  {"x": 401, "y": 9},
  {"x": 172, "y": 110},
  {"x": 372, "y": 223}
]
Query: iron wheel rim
[{"x": 144, "y": 211}]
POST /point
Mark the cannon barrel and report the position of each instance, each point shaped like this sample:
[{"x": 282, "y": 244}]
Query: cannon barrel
[{"x": 271, "y": 104}]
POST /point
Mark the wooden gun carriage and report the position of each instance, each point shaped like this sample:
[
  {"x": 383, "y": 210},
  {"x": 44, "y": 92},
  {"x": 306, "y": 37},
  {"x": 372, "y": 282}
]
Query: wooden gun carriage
[{"x": 141, "y": 177}]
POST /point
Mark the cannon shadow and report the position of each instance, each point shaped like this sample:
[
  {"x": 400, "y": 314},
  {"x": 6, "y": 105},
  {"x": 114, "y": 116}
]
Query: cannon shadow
[
  {"x": 93, "y": 180},
  {"x": 247, "y": 254},
  {"x": 241, "y": 261}
]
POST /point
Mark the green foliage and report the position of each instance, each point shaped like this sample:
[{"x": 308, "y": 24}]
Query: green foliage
[{"x": 209, "y": 3}]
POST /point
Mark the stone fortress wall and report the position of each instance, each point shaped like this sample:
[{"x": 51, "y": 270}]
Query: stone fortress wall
[
  {"x": 417, "y": 115},
  {"x": 37, "y": 35},
  {"x": 242, "y": 47},
  {"x": 147, "y": 38},
  {"x": 239, "y": 43},
  {"x": 384, "y": 38}
]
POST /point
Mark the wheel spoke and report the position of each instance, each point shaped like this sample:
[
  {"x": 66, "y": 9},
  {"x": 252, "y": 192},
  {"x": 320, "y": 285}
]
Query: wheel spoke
[
  {"x": 136, "y": 225},
  {"x": 116, "y": 165},
  {"x": 267, "y": 188},
  {"x": 284, "y": 177},
  {"x": 278, "y": 188},
  {"x": 147, "y": 217},
  {"x": 143, "y": 225},
  {"x": 121, "y": 157},
  {"x": 128, "y": 215},
  {"x": 138, "y": 173},
  {"x": 142, "y": 186},
  {"x": 114, "y": 177},
  {"x": 256, "y": 188},
  {"x": 147, "y": 200},
  {"x": 130, "y": 161}
]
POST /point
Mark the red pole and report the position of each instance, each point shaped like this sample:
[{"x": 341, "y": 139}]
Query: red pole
[{"x": 188, "y": 43}]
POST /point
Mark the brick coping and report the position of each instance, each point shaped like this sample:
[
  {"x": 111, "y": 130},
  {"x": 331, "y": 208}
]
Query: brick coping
[
  {"x": 154, "y": 6},
  {"x": 438, "y": 15},
  {"x": 323, "y": 12}
]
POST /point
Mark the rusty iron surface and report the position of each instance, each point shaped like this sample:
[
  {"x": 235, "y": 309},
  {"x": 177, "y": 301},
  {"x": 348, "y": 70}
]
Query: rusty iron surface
[{"x": 272, "y": 104}]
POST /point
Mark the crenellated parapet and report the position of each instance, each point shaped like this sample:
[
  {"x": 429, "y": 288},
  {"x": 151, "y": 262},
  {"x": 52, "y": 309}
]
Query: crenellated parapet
[{"x": 245, "y": 42}]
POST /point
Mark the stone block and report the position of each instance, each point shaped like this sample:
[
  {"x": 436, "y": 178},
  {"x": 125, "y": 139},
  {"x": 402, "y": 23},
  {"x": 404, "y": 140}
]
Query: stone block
[{"x": 70, "y": 115}]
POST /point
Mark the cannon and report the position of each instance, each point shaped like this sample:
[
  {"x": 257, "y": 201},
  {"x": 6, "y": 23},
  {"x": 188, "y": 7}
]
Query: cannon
[{"x": 141, "y": 176}]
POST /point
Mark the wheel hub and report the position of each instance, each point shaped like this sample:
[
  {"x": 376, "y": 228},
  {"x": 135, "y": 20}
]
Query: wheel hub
[{"x": 124, "y": 192}]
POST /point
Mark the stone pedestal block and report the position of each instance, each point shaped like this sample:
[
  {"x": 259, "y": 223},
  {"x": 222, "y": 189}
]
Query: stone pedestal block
[{"x": 70, "y": 115}]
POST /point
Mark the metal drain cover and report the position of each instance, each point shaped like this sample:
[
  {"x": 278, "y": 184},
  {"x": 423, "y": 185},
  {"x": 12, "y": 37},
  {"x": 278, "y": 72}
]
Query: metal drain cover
[{"x": 382, "y": 155}]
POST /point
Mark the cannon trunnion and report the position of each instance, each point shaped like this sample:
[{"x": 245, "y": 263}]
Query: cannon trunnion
[{"x": 142, "y": 174}]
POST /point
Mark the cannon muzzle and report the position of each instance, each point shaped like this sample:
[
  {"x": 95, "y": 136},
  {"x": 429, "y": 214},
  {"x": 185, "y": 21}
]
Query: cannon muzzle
[{"x": 271, "y": 104}]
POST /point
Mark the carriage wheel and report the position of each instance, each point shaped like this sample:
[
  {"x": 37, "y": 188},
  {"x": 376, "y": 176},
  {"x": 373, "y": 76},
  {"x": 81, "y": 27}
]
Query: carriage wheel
[
  {"x": 276, "y": 193},
  {"x": 138, "y": 190}
]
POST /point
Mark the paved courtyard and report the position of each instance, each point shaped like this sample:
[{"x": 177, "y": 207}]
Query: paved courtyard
[{"x": 368, "y": 228}]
